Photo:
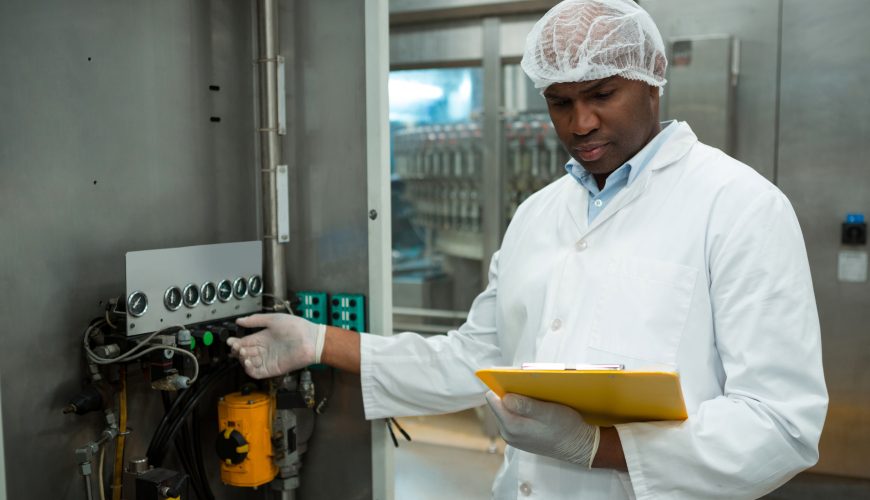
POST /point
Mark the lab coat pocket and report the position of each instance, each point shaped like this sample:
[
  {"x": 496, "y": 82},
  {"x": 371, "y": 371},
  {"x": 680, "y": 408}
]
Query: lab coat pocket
[{"x": 642, "y": 309}]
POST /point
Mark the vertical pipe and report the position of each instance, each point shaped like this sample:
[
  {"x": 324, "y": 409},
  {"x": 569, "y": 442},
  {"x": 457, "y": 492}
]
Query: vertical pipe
[
  {"x": 274, "y": 282},
  {"x": 274, "y": 276},
  {"x": 492, "y": 185},
  {"x": 89, "y": 491}
]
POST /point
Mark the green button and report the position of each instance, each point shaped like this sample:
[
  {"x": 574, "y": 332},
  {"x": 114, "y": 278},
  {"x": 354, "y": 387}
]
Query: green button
[
  {"x": 207, "y": 337},
  {"x": 192, "y": 343}
]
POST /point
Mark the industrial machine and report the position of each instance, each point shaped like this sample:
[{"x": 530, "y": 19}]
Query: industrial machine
[
  {"x": 179, "y": 140},
  {"x": 172, "y": 325}
]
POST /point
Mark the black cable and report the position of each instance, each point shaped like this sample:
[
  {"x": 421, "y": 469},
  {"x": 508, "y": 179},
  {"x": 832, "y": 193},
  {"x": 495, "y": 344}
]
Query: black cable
[
  {"x": 160, "y": 449},
  {"x": 164, "y": 422},
  {"x": 398, "y": 426},
  {"x": 184, "y": 446},
  {"x": 198, "y": 458},
  {"x": 392, "y": 434},
  {"x": 184, "y": 455},
  {"x": 186, "y": 459},
  {"x": 160, "y": 439},
  {"x": 158, "y": 436},
  {"x": 171, "y": 414}
]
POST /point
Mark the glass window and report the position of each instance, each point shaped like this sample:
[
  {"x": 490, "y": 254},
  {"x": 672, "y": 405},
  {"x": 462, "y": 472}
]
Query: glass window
[{"x": 435, "y": 165}]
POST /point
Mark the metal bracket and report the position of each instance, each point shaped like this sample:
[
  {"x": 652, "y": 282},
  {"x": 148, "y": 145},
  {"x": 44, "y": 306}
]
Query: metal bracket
[
  {"x": 282, "y": 98},
  {"x": 282, "y": 185}
]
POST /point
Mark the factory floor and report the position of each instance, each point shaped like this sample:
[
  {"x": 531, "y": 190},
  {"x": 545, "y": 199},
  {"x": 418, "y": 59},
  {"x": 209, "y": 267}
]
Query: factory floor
[{"x": 451, "y": 457}]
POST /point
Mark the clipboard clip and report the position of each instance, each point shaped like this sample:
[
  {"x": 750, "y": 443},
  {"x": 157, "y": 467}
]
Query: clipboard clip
[{"x": 564, "y": 367}]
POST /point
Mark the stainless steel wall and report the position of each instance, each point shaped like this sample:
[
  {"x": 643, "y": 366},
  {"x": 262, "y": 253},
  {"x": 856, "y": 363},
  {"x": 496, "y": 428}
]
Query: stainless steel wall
[
  {"x": 803, "y": 121},
  {"x": 326, "y": 150},
  {"x": 823, "y": 152},
  {"x": 107, "y": 146},
  {"x": 756, "y": 24}
]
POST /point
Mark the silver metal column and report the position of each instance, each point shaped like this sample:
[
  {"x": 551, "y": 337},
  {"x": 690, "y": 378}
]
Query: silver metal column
[
  {"x": 274, "y": 275},
  {"x": 492, "y": 190}
]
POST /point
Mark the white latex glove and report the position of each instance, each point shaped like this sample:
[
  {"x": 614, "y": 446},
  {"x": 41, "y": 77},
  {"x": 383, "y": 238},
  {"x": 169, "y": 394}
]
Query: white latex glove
[
  {"x": 543, "y": 428},
  {"x": 286, "y": 343}
]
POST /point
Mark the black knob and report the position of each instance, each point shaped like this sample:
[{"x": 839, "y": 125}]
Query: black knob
[{"x": 231, "y": 446}]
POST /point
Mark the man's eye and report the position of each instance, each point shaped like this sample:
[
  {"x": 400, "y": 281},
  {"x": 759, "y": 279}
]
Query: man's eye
[
  {"x": 554, "y": 101},
  {"x": 603, "y": 96}
]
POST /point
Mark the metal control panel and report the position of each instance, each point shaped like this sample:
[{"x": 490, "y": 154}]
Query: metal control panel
[{"x": 180, "y": 286}]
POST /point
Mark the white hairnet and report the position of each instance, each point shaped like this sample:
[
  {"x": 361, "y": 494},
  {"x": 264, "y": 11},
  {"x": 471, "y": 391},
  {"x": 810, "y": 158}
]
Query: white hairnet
[{"x": 582, "y": 40}]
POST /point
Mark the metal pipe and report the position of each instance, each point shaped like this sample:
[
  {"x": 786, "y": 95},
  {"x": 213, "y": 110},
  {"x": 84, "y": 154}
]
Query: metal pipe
[
  {"x": 492, "y": 177},
  {"x": 89, "y": 489},
  {"x": 274, "y": 275}
]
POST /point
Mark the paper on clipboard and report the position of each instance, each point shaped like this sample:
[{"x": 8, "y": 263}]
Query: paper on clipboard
[{"x": 603, "y": 396}]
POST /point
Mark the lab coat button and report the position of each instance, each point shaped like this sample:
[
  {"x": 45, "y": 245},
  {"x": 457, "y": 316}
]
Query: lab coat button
[
  {"x": 557, "y": 323},
  {"x": 581, "y": 245},
  {"x": 525, "y": 489}
]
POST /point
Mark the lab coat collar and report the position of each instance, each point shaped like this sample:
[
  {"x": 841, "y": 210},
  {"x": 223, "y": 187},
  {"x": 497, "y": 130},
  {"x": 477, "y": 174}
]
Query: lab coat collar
[{"x": 675, "y": 148}]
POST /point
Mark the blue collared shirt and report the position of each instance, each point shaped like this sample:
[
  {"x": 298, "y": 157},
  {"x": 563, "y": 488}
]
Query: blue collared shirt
[{"x": 621, "y": 177}]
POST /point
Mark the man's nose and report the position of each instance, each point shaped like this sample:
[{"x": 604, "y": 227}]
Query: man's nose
[{"x": 584, "y": 120}]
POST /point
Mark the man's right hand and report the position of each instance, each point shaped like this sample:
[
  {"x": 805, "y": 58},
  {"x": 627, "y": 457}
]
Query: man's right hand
[{"x": 285, "y": 343}]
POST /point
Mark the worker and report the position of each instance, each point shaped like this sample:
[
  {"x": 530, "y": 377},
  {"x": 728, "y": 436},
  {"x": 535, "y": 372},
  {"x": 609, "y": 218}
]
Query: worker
[{"x": 654, "y": 250}]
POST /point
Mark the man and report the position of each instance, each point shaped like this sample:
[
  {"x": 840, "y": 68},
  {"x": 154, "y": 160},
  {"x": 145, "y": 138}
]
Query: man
[{"x": 656, "y": 251}]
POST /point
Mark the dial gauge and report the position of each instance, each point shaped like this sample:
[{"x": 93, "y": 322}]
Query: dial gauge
[
  {"x": 137, "y": 304},
  {"x": 240, "y": 288},
  {"x": 172, "y": 298},
  {"x": 255, "y": 285},
  {"x": 224, "y": 290},
  {"x": 191, "y": 295},
  {"x": 208, "y": 293}
]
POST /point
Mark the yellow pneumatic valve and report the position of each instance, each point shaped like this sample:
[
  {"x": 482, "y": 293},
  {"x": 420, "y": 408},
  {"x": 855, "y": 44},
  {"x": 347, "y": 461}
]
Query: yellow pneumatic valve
[{"x": 244, "y": 443}]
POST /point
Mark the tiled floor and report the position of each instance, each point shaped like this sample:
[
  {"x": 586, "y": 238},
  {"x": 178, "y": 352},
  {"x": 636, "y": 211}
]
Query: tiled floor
[{"x": 448, "y": 458}]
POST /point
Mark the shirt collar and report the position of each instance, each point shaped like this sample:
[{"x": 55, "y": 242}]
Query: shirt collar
[{"x": 632, "y": 168}]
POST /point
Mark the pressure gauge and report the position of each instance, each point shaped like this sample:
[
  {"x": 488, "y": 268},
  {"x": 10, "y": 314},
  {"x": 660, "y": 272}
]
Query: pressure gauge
[
  {"x": 191, "y": 295},
  {"x": 172, "y": 298},
  {"x": 208, "y": 293},
  {"x": 137, "y": 304},
  {"x": 240, "y": 288},
  {"x": 224, "y": 290},
  {"x": 255, "y": 285}
]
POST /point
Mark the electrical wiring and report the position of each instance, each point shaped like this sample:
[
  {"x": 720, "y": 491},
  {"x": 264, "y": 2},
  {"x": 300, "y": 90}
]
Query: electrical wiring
[
  {"x": 127, "y": 355},
  {"x": 137, "y": 351},
  {"x": 122, "y": 436},
  {"x": 157, "y": 450},
  {"x": 197, "y": 448},
  {"x": 184, "y": 451},
  {"x": 181, "y": 407},
  {"x": 100, "y": 467},
  {"x": 109, "y": 321}
]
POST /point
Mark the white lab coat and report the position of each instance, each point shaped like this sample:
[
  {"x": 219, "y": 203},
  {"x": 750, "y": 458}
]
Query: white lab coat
[{"x": 698, "y": 265}]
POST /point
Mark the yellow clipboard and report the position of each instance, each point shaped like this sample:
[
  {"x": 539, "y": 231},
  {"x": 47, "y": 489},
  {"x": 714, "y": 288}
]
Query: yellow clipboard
[{"x": 603, "y": 397}]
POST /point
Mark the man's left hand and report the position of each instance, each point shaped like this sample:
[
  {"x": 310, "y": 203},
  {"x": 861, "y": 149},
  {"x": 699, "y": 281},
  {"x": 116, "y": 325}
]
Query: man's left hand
[{"x": 544, "y": 428}]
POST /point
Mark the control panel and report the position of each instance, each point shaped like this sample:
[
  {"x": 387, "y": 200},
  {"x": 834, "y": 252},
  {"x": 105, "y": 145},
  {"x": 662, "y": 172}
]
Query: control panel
[{"x": 181, "y": 286}]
